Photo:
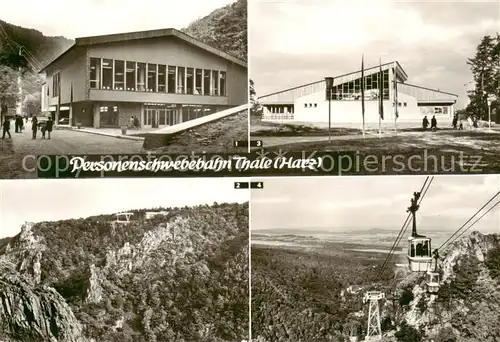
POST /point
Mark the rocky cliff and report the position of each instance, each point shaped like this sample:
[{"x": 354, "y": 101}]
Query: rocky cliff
[
  {"x": 467, "y": 305},
  {"x": 182, "y": 276}
]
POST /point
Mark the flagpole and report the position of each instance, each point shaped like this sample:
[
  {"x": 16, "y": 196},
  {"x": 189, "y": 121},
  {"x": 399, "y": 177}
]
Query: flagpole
[
  {"x": 363, "y": 93},
  {"x": 381, "y": 96}
]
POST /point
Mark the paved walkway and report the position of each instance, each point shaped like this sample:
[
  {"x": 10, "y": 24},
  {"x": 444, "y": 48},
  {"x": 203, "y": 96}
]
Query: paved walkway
[{"x": 66, "y": 141}]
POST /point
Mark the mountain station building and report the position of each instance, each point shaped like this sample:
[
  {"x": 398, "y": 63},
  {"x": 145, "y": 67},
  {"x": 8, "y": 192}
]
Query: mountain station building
[
  {"x": 162, "y": 77},
  {"x": 308, "y": 103}
]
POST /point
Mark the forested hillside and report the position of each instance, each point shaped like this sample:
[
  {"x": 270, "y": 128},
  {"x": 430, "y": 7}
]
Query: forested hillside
[
  {"x": 182, "y": 276},
  {"x": 313, "y": 296},
  {"x": 225, "y": 29}
]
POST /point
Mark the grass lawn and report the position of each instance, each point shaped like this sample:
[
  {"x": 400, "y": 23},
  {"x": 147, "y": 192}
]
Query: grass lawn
[{"x": 429, "y": 152}]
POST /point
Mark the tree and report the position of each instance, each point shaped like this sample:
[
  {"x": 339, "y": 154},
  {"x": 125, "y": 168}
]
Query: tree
[
  {"x": 407, "y": 333},
  {"x": 8, "y": 89},
  {"x": 485, "y": 68},
  {"x": 255, "y": 107}
]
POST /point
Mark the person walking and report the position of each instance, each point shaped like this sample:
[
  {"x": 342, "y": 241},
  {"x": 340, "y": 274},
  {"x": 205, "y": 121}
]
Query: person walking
[
  {"x": 48, "y": 127},
  {"x": 434, "y": 123},
  {"x": 6, "y": 127},
  {"x": 34, "y": 126},
  {"x": 455, "y": 121}
]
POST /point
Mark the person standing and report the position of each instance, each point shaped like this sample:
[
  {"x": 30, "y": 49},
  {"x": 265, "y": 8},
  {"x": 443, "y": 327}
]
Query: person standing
[
  {"x": 17, "y": 127},
  {"x": 6, "y": 127},
  {"x": 48, "y": 127},
  {"x": 455, "y": 121},
  {"x": 34, "y": 126},
  {"x": 425, "y": 123}
]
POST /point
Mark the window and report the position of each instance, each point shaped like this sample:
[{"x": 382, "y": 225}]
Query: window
[
  {"x": 95, "y": 73},
  {"x": 130, "y": 76},
  {"x": 215, "y": 83},
  {"x": 181, "y": 74},
  {"x": 315, "y": 105},
  {"x": 171, "y": 79},
  {"x": 206, "y": 82},
  {"x": 162, "y": 78},
  {"x": 222, "y": 75},
  {"x": 305, "y": 105},
  {"x": 141, "y": 76},
  {"x": 198, "y": 82},
  {"x": 56, "y": 84},
  {"x": 399, "y": 104},
  {"x": 107, "y": 74},
  {"x": 190, "y": 81},
  {"x": 404, "y": 104},
  {"x": 119, "y": 75},
  {"x": 151, "y": 77}
]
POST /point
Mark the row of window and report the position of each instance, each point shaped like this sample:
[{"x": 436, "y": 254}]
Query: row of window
[
  {"x": 280, "y": 109},
  {"x": 110, "y": 74},
  {"x": 353, "y": 88}
]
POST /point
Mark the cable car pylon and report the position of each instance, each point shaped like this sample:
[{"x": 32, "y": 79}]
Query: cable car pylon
[{"x": 374, "y": 330}]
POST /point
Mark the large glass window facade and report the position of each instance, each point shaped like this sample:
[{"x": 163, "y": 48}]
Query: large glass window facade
[
  {"x": 162, "y": 78},
  {"x": 198, "y": 82},
  {"x": 141, "y": 77},
  {"x": 119, "y": 75},
  {"x": 109, "y": 116},
  {"x": 207, "y": 82},
  {"x": 190, "y": 81},
  {"x": 215, "y": 83},
  {"x": 130, "y": 76},
  {"x": 151, "y": 77},
  {"x": 172, "y": 79},
  {"x": 109, "y": 74},
  {"x": 95, "y": 73},
  {"x": 181, "y": 80},
  {"x": 352, "y": 90}
]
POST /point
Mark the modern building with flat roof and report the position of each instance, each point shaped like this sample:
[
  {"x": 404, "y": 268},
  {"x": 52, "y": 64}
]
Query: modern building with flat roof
[
  {"x": 163, "y": 77},
  {"x": 407, "y": 102}
]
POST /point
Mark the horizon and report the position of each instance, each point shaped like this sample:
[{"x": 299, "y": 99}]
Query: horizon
[
  {"x": 44, "y": 200},
  {"x": 356, "y": 204},
  {"x": 180, "y": 15},
  {"x": 292, "y": 44}
]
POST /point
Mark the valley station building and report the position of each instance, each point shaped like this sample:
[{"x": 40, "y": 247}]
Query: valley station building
[
  {"x": 163, "y": 77},
  {"x": 308, "y": 103}
]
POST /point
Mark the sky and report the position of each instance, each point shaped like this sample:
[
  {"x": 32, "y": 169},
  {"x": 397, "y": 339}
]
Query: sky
[
  {"x": 338, "y": 204},
  {"x": 82, "y": 18},
  {"x": 59, "y": 199},
  {"x": 294, "y": 42}
]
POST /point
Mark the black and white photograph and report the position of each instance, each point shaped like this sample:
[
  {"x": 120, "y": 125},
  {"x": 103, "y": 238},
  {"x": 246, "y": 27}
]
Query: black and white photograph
[
  {"x": 128, "y": 260},
  {"x": 380, "y": 258},
  {"x": 379, "y": 77},
  {"x": 108, "y": 77}
]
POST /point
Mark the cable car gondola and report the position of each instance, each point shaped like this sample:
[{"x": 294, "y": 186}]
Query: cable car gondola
[
  {"x": 419, "y": 246},
  {"x": 432, "y": 280}
]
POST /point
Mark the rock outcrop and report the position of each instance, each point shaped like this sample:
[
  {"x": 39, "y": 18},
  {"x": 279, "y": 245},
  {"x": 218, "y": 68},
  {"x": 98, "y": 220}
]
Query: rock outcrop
[{"x": 32, "y": 313}]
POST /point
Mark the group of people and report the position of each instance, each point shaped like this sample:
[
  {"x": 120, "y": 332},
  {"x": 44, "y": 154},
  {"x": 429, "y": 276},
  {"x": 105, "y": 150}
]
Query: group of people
[
  {"x": 425, "y": 123},
  {"x": 45, "y": 128},
  {"x": 456, "y": 123},
  {"x": 134, "y": 122}
]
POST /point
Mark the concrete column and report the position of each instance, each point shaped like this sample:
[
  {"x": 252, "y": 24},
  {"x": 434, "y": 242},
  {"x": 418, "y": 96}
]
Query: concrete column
[{"x": 97, "y": 116}]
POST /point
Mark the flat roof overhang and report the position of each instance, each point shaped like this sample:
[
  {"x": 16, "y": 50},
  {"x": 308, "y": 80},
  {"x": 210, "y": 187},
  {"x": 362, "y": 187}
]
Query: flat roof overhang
[{"x": 436, "y": 103}]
